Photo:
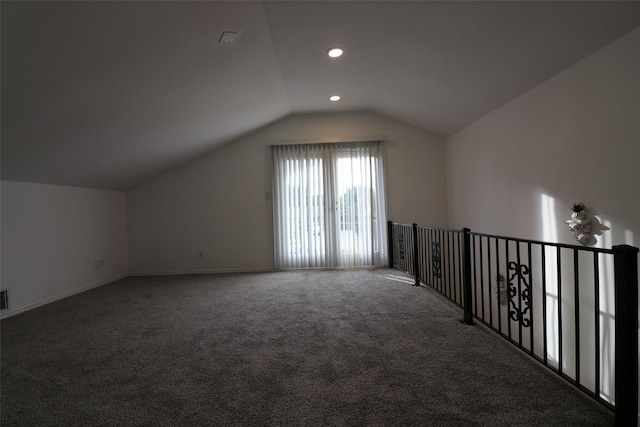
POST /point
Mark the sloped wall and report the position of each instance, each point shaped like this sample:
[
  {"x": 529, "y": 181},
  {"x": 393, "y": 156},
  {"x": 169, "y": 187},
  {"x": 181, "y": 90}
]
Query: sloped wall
[
  {"x": 575, "y": 137},
  {"x": 218, "y": 204}
]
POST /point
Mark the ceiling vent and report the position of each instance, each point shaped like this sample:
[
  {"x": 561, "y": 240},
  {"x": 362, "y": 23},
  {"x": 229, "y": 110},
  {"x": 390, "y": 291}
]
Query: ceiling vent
[{"x": 227, "y": 38}]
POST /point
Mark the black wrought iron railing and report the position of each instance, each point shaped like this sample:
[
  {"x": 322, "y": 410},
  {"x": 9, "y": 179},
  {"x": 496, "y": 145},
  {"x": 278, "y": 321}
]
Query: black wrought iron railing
[{"x": 572, "y": 308}]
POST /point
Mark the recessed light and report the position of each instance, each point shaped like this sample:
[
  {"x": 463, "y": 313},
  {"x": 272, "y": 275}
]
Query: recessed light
[
  {"x": 334, "y": 98},
  {"x": 335, "y": 52}
]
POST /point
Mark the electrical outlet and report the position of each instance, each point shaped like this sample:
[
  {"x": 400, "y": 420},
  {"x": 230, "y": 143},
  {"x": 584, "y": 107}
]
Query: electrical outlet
[{"x": 99, "y": 263}]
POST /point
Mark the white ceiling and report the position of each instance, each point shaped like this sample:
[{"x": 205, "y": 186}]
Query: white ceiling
[{"x": 109, "y": 94}]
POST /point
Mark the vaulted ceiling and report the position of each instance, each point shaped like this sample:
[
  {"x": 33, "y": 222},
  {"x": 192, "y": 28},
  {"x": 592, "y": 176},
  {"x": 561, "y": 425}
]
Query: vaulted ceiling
[{"x": 110, "y": 94}]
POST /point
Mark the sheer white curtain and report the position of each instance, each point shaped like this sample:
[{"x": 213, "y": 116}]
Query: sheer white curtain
[{"x": 329, "y": 205}]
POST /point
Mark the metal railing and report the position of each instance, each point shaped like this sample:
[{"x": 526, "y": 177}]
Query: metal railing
[{"x": 572, "y": 308}]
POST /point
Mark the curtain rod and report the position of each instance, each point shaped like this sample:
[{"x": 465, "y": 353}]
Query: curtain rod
[{"x": 331, "y": 140}]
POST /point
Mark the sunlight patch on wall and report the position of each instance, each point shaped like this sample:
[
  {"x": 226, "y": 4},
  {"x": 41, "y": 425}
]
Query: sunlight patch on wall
[
  {"x": 606, "y": 237},
  {"x": 607, "y": 318},
  {"x": 550, "y": 234},
  {"x": 549, "y": 224},
  {"x": 628, "y": 237}
]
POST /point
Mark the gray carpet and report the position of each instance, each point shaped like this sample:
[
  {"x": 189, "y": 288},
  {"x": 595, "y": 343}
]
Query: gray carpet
[{"x": 309, "y": 348}]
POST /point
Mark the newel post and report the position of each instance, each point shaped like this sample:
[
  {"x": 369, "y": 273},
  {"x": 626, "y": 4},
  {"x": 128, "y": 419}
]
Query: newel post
[
  {"x": 625, "y": 260},
  {"x": 416, "y": 267},
  {"x": 466, "y": 277}
]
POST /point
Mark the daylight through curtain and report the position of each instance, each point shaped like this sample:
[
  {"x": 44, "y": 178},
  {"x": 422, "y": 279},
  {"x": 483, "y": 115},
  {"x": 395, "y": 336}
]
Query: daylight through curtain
[{"x": 329, "y": 206}]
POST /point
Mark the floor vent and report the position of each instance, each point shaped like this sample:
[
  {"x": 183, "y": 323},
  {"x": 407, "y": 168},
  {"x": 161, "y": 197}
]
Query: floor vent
[{"x": 4, "y": 300}]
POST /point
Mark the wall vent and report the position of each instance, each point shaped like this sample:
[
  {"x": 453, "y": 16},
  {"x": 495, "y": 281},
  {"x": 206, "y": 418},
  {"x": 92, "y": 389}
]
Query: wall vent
[{"x": 4, "y": 300}]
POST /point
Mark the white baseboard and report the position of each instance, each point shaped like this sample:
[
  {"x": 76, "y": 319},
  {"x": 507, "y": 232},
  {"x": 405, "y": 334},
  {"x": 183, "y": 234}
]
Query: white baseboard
[
  {"x": 13, "y": 311},
  {"x": 210, "y": 271}
]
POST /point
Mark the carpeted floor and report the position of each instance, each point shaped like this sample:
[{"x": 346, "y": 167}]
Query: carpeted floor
[{"x": 303, "y": 348}]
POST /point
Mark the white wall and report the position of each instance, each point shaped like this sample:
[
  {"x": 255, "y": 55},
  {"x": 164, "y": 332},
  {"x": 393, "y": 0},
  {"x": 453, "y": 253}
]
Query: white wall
[
  {"x": 575, "y": 137},
  {"x": 53, "y": 235},
  {"x": 217, "y": 203}
]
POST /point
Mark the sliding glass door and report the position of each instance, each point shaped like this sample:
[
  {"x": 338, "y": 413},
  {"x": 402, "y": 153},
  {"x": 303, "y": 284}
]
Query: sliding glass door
[{"x": 329, "y": 205}]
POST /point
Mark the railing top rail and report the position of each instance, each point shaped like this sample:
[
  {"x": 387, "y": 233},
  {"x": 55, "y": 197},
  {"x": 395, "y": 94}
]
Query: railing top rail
[
  {"x": 540, "y": 242},
  {"x": 452, "y": 230},
  {"x": 401, "y": 224},
  {"x": 516, "y": 239},
  {"x": 428, "y": 227}
]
